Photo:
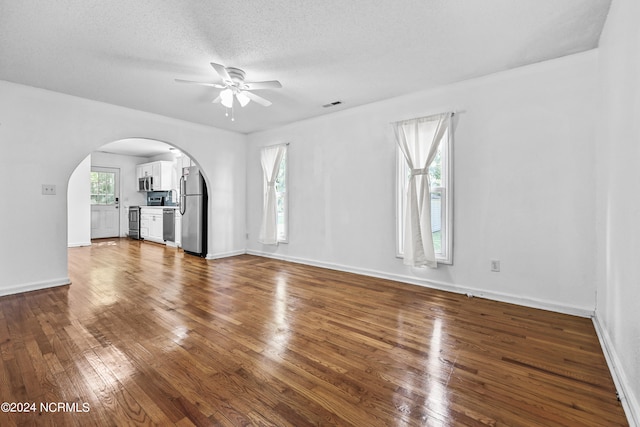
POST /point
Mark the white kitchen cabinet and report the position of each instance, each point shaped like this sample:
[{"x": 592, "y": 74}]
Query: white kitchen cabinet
[
  {"x": 181, "y": 163},
  {"x": 161, "y": 172},
  {"x": 151, "y": 224},
  {"x": 155, "y": 228},
  {"x": 145, "y": 169},
  {"x": 144, "y": 226}
]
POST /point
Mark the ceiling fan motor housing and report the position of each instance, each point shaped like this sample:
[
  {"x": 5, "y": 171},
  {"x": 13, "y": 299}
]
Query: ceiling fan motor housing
[{"x": 236, "y": 74}]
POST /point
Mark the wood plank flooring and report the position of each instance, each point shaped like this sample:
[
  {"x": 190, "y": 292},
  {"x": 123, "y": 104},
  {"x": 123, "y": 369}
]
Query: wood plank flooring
[{"x": 147, "y": 335}]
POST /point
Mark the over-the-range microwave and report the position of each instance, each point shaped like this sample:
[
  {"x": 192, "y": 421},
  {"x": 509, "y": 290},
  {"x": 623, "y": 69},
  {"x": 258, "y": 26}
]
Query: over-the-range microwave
[{"x": 145, "y": 183}]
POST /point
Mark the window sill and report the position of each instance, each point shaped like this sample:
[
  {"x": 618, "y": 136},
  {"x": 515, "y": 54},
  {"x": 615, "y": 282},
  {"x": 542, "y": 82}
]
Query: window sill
[{"x": 438, "y": 260}]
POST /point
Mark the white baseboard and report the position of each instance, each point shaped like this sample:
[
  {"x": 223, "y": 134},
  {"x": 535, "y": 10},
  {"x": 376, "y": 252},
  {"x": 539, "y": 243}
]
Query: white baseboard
[
  {"x": 34, "y": 286},
  {"x": 225, "y": 254},
  {"x": 535, "y": 303},
  {"x": 78, "y": 244},
  {"x": 629, "y": 401},
  {"x": 460, "y": 289}
]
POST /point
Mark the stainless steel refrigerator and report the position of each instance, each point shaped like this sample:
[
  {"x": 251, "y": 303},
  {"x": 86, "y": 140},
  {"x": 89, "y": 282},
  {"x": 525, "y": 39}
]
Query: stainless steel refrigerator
[{"x": 193, "y": 207}]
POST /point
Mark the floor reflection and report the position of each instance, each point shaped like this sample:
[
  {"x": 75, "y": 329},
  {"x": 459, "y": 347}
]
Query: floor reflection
[
  {"x": 437, "y": 372},
  {"x": 279, "y": 338}
]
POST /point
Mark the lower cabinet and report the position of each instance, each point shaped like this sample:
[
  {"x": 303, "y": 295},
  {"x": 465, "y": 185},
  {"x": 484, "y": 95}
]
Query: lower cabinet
[
  {"x": 151, "y": 224},
  {"x": 144, "y": 226},
  {"x": 155, "y": 228}
]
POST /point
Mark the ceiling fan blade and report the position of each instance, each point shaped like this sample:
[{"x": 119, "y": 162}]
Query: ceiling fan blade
[
  {"x": 271, "y": 84},
  {"x": 222, "y": 72},
  {"x": 255, "y": 98},
  {"x": 216, "y": 100},
  {"x": 217, "y": 85}
]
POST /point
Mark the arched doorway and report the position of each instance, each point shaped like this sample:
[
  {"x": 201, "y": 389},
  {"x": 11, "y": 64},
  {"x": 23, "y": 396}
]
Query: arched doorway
[{"x": 104, "y": 188}]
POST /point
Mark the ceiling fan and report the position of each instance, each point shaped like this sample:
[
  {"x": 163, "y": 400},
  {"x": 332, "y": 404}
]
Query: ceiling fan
[{"x": 235, "y": 87}]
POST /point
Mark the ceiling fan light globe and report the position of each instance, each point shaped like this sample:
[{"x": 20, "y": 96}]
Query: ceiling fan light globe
[
  {"x": 242, "y": 98},
  {"x": 226, "y": 97}
]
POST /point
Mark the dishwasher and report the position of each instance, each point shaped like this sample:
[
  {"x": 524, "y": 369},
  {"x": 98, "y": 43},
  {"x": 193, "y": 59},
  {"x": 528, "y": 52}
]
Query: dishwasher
[{"x": 168, "y": 225}]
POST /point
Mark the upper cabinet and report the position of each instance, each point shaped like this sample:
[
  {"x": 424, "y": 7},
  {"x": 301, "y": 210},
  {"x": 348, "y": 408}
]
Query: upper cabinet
[
  {"x": 144, "y": 170},
  {"x": 160, "y": 173}
]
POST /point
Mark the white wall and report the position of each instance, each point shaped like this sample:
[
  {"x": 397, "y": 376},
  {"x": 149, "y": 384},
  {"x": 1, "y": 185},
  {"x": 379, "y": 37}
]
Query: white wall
[
  {"x": 618, "y": 201},
  {"x": 523, "y": 176},
  {"x": 79, "y": 205},
  {"x": 45, "y": 135}
]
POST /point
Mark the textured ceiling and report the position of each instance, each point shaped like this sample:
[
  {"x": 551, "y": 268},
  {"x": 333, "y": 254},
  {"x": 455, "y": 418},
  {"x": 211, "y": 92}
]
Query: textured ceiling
[{"x": 128, "y": 52}]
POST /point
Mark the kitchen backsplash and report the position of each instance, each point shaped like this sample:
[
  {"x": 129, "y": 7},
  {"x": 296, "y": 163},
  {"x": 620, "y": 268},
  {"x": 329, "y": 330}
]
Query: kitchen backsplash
[{"x": 161, "y": 198}]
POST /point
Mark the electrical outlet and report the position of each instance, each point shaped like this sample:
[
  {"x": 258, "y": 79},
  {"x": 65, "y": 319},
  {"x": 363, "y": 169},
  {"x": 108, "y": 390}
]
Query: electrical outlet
[
  {"x": 495, "y": 265},
  {"x": 49, "y": 189}
]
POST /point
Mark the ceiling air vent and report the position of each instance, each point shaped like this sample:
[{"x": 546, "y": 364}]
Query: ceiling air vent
[{"x": 332, "y": 104}]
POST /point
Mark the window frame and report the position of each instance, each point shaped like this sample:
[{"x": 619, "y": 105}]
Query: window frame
[
  {"x": 446, "y": 191},
  {"x": 103, "y": 195}
]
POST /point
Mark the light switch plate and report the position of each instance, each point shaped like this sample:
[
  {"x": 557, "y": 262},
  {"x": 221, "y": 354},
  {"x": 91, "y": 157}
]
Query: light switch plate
[{"x": 49, "y": 189}]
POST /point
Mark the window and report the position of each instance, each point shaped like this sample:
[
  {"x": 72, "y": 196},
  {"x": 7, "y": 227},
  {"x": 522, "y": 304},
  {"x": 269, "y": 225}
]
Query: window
[
  {"x": 441, "y": 201},
  {"x": 282, "y": 200},
  {"x": 273, "y": 229},
  {"x": 103, "y": 188}
]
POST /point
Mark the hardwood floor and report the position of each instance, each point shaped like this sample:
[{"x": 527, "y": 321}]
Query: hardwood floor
[{"x": 148, "y": 335}]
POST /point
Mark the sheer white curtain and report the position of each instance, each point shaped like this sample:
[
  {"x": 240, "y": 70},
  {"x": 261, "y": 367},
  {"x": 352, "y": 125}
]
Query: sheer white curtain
[
  {"x": 419, "y": 140},
  {"x": 270, "y": 157}
]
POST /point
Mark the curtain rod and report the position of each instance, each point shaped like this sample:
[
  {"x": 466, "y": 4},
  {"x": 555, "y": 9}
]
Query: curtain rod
[
  {"x": 275, "y": 145},
  {"x": 452, "y": 113}
]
